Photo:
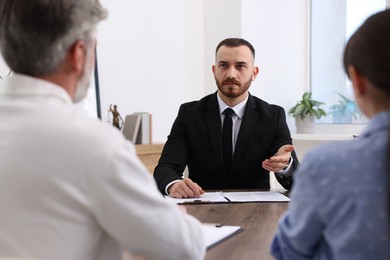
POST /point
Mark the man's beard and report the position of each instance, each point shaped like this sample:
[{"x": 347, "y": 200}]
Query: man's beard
[
  {"x": 83, "y": 84},
  {"x": 233, "y": 94}
]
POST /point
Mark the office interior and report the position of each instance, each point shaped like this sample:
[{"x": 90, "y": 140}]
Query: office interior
[{"x": 155, "y": 55}]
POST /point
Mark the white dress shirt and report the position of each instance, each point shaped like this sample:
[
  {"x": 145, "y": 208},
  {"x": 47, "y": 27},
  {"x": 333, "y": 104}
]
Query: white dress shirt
[
  {"x": 239, "y": 110},
  {"x": 73, "y": 188}
]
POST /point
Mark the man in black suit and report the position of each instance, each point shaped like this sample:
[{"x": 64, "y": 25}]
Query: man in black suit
[{"x": 260, "y": 140}]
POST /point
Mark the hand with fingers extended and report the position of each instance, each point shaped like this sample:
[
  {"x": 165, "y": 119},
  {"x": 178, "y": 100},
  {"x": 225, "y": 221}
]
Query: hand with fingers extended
[
  {"x": 185, "y": 188},
  {"x": 280, "y": 160}
]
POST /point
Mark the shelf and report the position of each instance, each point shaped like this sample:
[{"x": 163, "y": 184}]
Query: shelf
[
  {"x": 149, "y": 154},
  {"x": 321, "y": 137}
]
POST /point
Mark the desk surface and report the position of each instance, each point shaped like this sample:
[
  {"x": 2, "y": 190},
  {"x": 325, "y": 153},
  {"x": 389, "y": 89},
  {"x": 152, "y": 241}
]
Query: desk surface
[{"x": 258, "y": 221}]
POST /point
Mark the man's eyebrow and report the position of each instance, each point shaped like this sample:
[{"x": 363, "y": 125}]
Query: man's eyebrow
[{"x": 237, "y": 63}]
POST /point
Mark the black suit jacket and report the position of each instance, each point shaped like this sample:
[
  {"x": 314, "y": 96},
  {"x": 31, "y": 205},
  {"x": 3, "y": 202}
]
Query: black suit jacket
[{"x": 196, "y": 140}]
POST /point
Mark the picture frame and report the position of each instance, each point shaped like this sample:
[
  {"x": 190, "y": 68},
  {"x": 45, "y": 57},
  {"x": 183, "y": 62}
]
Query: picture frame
[{"x": 91, "y": 104}]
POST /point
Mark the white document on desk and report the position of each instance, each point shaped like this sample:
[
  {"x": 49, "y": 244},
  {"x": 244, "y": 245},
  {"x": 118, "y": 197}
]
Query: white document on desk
[
  {"x": 207, "y": 197},
  {"x": 228, "y": 197},
  {"x": 215, "y": 233},
  {"x": 257, "y": 196}
]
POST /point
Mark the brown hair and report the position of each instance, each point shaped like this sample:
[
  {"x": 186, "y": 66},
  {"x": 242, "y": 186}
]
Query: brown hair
[{"x": 368, "y": 50}]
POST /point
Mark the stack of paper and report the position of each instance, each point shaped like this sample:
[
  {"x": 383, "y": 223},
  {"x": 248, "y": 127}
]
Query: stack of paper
[{"x": 230, "y": 197}]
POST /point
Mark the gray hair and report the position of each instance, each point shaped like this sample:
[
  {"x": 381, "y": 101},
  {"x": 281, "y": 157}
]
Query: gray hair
[{"x": 36, "y": 34}]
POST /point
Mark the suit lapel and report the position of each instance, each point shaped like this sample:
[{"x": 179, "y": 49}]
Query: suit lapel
[
  {"x": 247, "y": 125},
  {"x": 213, "y": 121}
]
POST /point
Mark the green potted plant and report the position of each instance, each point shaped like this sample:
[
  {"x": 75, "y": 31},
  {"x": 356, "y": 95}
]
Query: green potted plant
[
  {"x": 305, "y": 112},
  {"x": 344, "y": 111}
]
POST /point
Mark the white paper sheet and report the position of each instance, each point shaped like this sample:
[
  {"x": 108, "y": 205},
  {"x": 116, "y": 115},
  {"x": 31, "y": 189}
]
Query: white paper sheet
[
  {"x": 226, "y": 197},
  {"x": 214, "y": 233},
  {"x": 273, "y": 196}
]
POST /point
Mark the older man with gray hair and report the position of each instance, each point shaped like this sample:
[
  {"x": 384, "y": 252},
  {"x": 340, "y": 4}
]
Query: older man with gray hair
[{"x": 72, "y": 187}]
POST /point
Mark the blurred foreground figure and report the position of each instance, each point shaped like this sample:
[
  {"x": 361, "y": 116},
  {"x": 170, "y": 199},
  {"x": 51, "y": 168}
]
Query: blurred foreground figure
[
  {"x": 72, "y": 187},
  {"x": 340, "y": 201}
]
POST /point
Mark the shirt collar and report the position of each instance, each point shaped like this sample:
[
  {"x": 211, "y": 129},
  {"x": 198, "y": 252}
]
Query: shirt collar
[
  {"x": 23, "y": 85},
  {"x": 238, "y": 109},
  {"x": 380, "y": 121}
]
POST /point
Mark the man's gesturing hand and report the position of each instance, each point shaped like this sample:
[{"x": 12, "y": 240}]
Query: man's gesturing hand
[{"x": 280, "y": 160}]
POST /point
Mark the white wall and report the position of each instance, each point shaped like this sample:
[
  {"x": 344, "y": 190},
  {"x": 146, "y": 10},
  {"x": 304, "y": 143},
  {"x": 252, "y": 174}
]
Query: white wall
[
  {"x": 155, "y": 55},
  {"x": 222, "y": 19},
  {"x": 279, "y": 31},
  {"x": 150, "y": 58}
]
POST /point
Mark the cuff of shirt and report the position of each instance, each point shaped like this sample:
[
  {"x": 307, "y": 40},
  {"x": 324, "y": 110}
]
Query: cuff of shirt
[
  {"x": 168, "y": 185},
  {"x": 286, "y": 171}
]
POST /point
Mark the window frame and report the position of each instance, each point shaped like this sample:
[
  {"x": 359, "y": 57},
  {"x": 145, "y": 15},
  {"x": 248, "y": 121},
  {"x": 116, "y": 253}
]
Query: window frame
[{"x": 329, "y": 127}]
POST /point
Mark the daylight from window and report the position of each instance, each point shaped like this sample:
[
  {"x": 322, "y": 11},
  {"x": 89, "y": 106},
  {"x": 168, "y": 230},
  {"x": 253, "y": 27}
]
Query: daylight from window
[{"x": 332, "y": 23}]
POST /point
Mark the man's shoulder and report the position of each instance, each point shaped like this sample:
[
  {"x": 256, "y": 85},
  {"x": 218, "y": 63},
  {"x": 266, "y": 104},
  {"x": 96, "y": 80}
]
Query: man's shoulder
[
  {"x": 88, "y": 131},
  {"x": 325, "y": 160},
  {"x": 262, "y": 104},
  {"x": 206, "y": 101}
]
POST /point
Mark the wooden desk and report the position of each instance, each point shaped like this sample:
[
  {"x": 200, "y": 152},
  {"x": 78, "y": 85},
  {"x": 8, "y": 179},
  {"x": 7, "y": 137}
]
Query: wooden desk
[
  {"x": 149, "y": 154},
  {"x": 258, "y": 221}
]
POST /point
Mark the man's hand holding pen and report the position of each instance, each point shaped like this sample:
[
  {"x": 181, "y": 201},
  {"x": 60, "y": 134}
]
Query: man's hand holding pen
[{"x": 185, "y": 188}]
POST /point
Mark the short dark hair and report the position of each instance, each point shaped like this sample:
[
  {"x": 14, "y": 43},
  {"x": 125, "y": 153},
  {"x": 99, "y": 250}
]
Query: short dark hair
[{"x": 235, "y": 42}]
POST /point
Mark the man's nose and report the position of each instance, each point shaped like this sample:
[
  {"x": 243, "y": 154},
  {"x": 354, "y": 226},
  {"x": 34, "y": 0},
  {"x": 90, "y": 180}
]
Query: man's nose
[{"x": 231, "y": 73}]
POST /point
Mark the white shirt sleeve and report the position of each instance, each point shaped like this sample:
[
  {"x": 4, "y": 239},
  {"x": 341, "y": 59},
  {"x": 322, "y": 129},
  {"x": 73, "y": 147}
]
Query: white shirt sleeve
[
  {"x": 129, "y": 206},
  {"x": 286, "y": 171},
  {"x": 169, "y": 185}
]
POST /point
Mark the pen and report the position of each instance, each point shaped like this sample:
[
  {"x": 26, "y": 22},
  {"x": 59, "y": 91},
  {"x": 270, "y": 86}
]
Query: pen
[
  {"x": 213, "y": 224},
  {"x": 226, "y": 198},
  {"x": 197, "y": 202}
]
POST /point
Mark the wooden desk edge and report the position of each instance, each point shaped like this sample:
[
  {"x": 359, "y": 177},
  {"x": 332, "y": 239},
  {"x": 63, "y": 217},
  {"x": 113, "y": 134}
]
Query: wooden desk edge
[{"x": 149, "y": 148}]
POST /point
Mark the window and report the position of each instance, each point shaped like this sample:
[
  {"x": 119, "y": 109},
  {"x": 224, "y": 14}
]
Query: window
[
  {"x": 4, "y": 69},
  {"x": 332, "y": 23},
  {"x": 90, "y": 105}
]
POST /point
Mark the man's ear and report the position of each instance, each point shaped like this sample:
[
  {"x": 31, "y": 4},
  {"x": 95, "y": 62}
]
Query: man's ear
[
  {"x": 358, "y": 81},
  {"x": 254, "y": 73},
  {"x": 77, "y": 56}
]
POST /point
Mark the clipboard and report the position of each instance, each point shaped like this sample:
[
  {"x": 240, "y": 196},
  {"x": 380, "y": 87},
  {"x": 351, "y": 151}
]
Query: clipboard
[{"x": 217, "y": 233}]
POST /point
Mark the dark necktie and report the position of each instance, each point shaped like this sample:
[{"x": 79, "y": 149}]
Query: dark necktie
[{"x": 227, "y": 135}]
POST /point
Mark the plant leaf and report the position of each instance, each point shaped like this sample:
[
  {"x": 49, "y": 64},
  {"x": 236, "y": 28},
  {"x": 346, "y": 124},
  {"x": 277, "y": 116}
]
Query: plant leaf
[
  {"x": 306, "y": 96},
  {"x": 298, "y": 109}
]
